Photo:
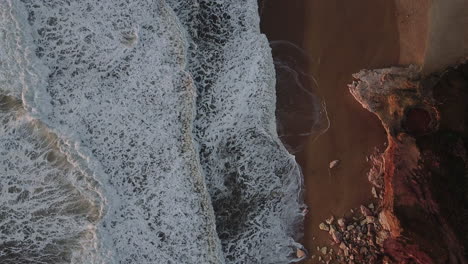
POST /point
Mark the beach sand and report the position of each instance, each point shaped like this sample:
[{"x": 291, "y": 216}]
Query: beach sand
[
  {"x": 447, "y": 40},
  {"x": 343, "y": 37}
]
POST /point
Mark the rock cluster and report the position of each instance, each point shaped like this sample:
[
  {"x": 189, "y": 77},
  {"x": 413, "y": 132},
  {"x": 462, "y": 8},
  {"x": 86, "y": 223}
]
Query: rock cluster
[
  {"x": 355, "y": 239},
  {"x": 358, "y": 238}
]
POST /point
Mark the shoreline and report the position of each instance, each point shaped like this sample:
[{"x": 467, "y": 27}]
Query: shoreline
[
  {"x": 378, "y": 180},
  {"x": 344, "y": 43},
  {"x": 340, "y": 43}
]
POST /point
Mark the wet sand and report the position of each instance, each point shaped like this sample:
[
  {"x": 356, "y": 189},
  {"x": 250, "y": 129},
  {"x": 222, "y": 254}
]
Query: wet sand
[{"x": 343, "y": 37}]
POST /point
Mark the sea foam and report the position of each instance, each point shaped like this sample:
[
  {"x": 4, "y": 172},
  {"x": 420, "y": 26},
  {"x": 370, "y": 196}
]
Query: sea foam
[
  {"x": 151, "y": 126},
  {"x": 255, "y": 184}
]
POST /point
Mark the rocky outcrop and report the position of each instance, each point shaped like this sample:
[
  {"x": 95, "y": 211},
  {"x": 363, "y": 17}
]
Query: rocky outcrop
[{"x": 423, "y": 188}]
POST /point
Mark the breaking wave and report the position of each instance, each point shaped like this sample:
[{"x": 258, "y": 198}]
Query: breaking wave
[{"x": 142, "y": 132}]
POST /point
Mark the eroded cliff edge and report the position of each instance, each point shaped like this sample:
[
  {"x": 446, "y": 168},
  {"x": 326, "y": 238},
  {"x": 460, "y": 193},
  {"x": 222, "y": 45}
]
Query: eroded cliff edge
[{"x": 423, "y": 205}]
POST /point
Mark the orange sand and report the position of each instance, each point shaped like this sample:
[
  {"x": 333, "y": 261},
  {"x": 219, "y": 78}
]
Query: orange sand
[{"x": 344, "y": 37}]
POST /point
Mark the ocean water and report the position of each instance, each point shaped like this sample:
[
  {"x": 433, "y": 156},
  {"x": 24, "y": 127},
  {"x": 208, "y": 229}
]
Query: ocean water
[{"x": 142, "y": 132}]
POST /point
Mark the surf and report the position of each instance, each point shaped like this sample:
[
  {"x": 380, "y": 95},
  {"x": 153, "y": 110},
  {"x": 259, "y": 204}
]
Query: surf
[{"x": 166, "y": 111}]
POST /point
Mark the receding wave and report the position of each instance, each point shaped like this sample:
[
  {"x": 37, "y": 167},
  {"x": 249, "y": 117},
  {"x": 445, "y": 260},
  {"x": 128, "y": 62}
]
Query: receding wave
[{"x": 300, "y": 113}]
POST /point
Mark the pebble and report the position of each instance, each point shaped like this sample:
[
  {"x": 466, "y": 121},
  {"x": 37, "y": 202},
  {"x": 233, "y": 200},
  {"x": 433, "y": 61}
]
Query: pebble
[
  {"x": 334, "y": 164},
  {"x": 363, "y": 222},
  {"x": 341, "y": 222},
  {"x": 370, "y": 219},
  {"x": 324, "y": 250},
  {"x": 324, "y": 227},
  {"x": 300, "y": 253},
  {"x": 365, "y": 211},
  {"x": 336, "y": 236}
]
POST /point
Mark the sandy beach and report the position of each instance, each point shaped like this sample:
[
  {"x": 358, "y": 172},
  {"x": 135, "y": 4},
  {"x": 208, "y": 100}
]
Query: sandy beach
[
  {"x": 344, "y": 42},
  {"x": 343, "y": 37}
]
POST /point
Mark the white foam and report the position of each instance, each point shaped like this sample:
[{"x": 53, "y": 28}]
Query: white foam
[
  {"x": 49, "y": 208},
  {"x": 114, "y": 81},
  {"x": 122, "y": 102},
  {"x": 255, "y": 184}
]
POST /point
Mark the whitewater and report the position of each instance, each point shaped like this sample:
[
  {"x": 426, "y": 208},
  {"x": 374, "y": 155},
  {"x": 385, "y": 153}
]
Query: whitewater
[{"x": 142, "y": 131}]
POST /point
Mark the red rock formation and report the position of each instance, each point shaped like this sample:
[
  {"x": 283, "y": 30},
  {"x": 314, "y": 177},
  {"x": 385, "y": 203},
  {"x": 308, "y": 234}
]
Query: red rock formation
[{"x": 424, "y": 201}]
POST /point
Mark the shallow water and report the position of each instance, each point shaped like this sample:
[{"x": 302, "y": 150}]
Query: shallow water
[
  {"x": 142, "y": 132},
  {"x": 300, "y": 112}
]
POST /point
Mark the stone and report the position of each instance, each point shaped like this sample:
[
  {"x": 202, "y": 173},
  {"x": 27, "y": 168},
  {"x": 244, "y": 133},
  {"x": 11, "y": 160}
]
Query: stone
[
  {"x": 324, "y": 227},
  {"x": 374, "y": 192},
  {"x": 364, "y": 230},
  {"x": 370, "y": 219},
  {"x": 334, "y": 164},
  {"x": 336, "y": 236},
  {"x": 365, "y": 211},
  {"x": 341, "y": 223},
  {"x": 324, "y": 250},
  {"x": 300, "y": 253},
  {"x": 363, "y": 222},
  {"x": 330, "y": 220}
]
